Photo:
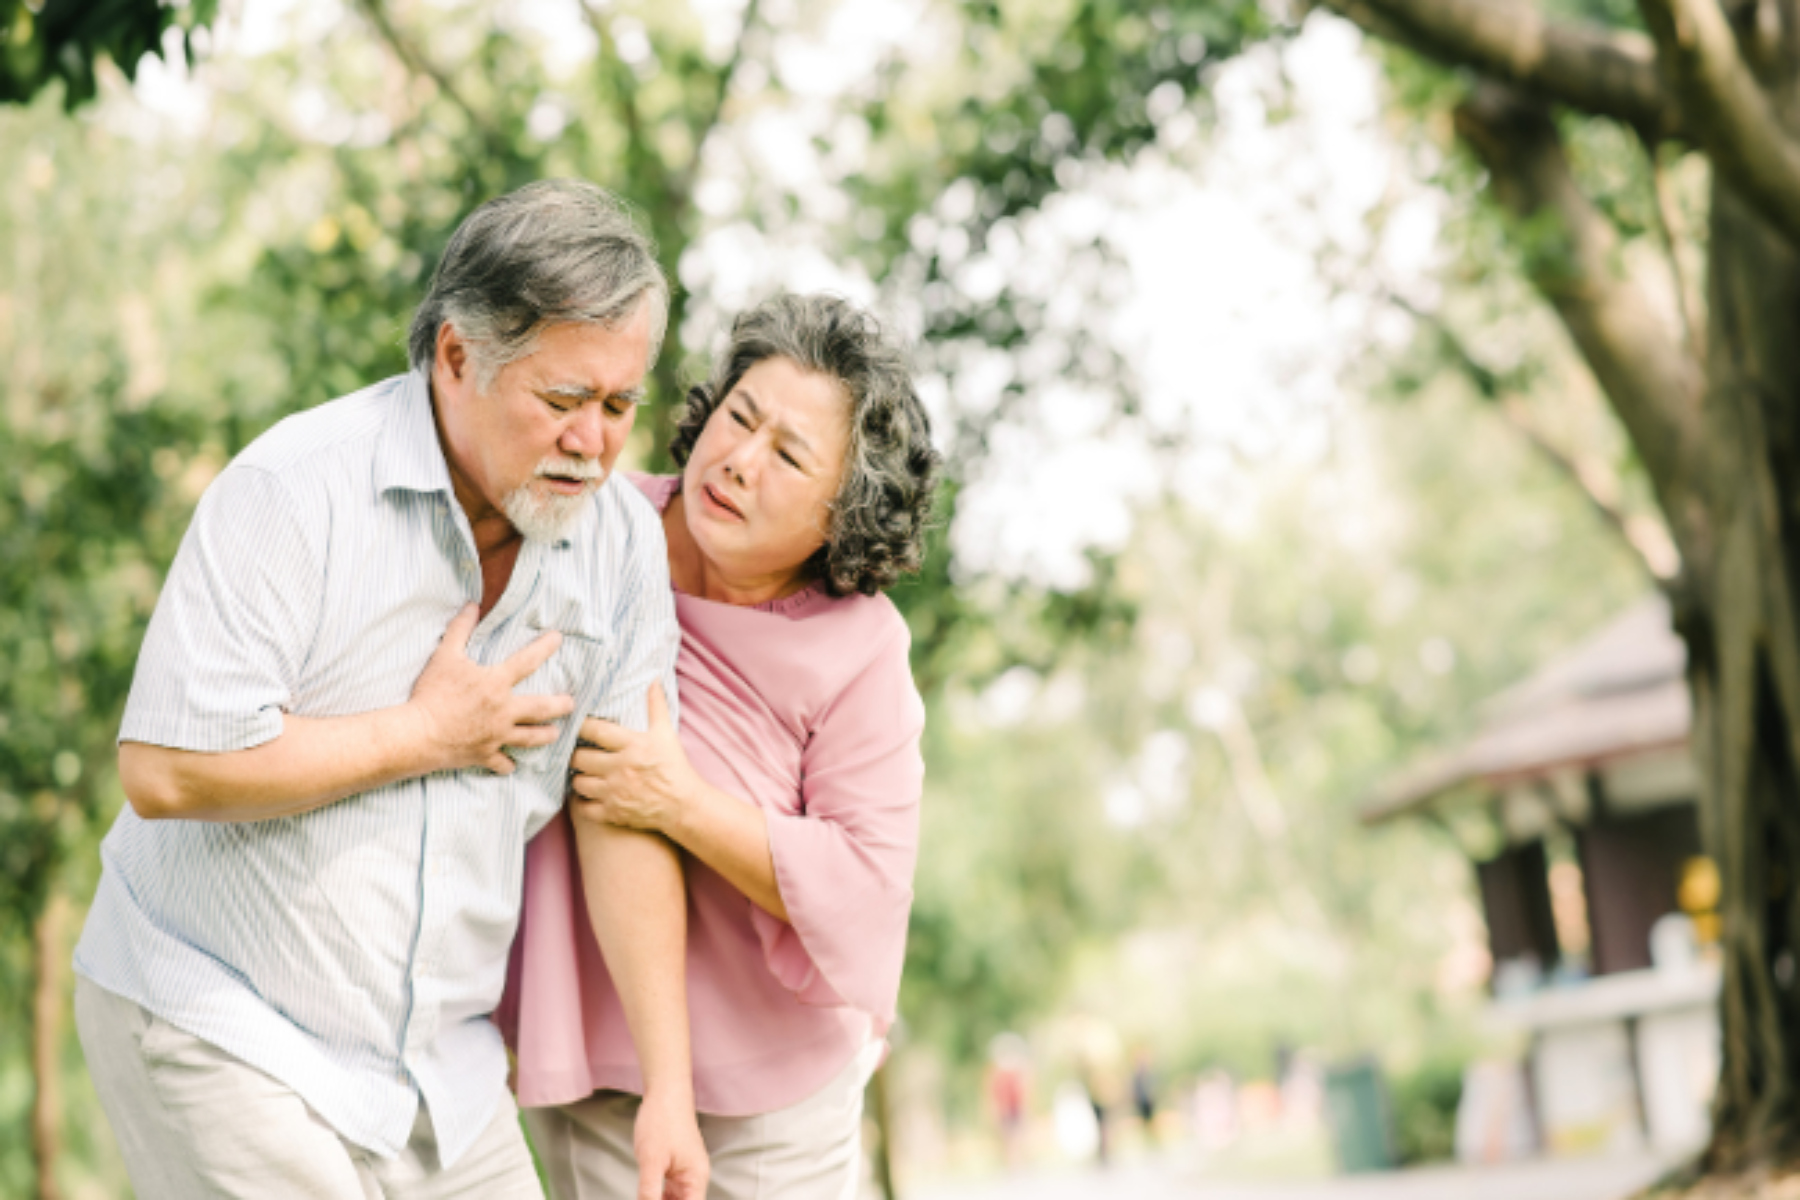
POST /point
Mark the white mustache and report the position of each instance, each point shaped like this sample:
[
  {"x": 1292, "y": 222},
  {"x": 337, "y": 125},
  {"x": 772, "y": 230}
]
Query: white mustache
[{"x": 571, "y": 468}]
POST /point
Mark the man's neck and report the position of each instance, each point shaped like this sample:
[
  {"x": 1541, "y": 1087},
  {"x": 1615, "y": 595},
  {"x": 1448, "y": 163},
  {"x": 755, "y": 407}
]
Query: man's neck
[
  {"x": 497, "y": 541},
  {"x": 494, "y": 533}
]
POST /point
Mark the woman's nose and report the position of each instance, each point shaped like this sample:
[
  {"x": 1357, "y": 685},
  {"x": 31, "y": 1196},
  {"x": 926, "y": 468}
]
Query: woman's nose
[{"x": 745, "y": 458}]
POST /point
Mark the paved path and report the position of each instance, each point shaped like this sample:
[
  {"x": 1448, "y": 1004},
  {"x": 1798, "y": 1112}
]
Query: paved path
[{"x": 1581, "y": 1179}]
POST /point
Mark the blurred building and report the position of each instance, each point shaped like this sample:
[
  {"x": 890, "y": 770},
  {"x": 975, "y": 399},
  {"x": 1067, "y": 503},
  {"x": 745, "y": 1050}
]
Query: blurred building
[{"x": 1575, "y": 798}]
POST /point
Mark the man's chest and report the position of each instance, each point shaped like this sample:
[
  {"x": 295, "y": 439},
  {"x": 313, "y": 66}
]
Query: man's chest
[
  {"x": 387, "y": 601},
  {"x": 496, "y": 574}
]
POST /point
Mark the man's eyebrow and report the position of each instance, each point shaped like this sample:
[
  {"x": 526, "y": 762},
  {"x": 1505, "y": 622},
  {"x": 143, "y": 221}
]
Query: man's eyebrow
[{"x": 580, "y": 393}]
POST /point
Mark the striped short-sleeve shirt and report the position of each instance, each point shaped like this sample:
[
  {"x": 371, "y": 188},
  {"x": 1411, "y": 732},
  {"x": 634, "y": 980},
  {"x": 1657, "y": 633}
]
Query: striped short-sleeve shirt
[{"x": 355, "y": 952}]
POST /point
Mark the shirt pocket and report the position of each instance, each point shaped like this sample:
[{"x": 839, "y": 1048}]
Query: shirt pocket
[{"x": 571, "y": 671}]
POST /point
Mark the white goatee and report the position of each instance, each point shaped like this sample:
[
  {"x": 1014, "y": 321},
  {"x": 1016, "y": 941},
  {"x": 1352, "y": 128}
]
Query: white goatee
[{"x": 546, "y": 516}]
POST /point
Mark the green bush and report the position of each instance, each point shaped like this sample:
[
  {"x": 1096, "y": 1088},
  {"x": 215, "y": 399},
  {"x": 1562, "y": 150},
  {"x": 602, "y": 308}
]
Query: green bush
[{"x": 1424, "y": 1104}]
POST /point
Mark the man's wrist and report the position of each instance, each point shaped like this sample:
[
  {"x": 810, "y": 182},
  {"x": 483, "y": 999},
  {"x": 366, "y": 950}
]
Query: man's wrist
[{"x": 408, "y": 734}]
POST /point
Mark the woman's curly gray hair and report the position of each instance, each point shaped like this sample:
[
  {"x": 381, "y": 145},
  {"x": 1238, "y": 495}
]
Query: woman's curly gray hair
[{"x": 879, "y": 516}]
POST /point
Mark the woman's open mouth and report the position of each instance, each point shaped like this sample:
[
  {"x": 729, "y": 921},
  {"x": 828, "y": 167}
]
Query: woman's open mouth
[{"x": 719, "y": 503}]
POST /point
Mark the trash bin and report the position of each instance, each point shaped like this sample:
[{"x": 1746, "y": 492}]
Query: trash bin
[{"x": 1362, "y": 1123}]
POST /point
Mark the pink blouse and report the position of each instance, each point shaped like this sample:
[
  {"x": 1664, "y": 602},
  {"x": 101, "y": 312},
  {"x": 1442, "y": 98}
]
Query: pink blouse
[{"x": 806, "y": 708}]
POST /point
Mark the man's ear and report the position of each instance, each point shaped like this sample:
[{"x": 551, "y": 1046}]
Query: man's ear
[{"x": 452, "y": 353}]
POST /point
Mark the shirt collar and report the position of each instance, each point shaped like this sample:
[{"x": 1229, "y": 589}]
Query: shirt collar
[{"x": 409, "y": 456}]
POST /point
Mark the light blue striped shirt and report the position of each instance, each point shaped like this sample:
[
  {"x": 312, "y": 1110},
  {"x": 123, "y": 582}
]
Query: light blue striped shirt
[{"x": 355, "y": 952}]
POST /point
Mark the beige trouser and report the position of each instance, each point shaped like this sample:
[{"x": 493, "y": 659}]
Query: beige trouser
[
  {"x": 194, "y": 1122},
  {"x": 809, "y": 1151}
]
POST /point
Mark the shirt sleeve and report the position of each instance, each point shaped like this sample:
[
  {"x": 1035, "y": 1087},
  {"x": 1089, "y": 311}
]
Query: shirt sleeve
[
  {"x": 845, "y": 863},
  {"x": 649, "y": 639},
  {"x": 223, "y": 655}
]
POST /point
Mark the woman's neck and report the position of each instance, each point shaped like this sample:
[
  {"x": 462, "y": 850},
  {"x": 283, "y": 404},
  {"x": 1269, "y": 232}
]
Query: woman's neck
[{"x": 692, "y": 572}]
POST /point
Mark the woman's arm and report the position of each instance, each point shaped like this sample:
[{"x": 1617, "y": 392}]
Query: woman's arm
[{"x": 732, "y": 837}]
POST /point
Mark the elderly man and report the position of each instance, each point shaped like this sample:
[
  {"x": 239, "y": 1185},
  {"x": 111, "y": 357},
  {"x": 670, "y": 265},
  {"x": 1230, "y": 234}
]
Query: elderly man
[{"x": 350, "y": 714}]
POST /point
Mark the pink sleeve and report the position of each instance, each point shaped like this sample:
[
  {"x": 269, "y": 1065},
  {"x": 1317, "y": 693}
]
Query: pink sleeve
[{"x": 845, "y": 864}]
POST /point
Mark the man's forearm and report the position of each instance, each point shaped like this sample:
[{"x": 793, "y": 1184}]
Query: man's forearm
[
  {"x": 314, "y": 762},
  {"x": 637, "y": 904}
]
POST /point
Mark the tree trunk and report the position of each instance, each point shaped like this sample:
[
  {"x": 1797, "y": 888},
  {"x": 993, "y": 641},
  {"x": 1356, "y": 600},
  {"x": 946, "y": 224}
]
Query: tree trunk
[
  {"x": 1737, "y": 612},
  {"x": 49, "y": 948},
  {"x": 1720, "y": 442}
]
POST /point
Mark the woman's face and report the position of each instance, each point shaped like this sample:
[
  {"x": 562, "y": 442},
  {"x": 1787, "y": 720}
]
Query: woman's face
[{"x": 759, "y": 484}]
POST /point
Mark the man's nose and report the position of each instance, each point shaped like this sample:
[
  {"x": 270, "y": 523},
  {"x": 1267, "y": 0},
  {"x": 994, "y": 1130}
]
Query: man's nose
[{"x": 585, "y": 434}]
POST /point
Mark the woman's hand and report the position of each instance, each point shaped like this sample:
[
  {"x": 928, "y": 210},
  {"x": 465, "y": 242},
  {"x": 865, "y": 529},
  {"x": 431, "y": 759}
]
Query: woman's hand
[{"x": 636, "y": 780}]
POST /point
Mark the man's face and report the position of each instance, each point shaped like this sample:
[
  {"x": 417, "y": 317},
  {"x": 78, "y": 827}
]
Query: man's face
[{"x": 547, "y": 432}]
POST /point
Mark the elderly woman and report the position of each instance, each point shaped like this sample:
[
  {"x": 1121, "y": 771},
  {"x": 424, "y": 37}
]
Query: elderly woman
[{"x": 793, "y": 785}]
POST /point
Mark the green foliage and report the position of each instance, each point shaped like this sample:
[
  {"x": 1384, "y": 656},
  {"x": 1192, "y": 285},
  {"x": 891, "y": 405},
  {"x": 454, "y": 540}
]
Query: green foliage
[
  {"x": 82, "y": 540},
  {"x": 968, "y": 632},
  {"x": 96, "y": 444},
  {"x": 1424, "y": 1105},
  {"x": 63, "y": 40},
  {"x": 1020, "y": 872}
]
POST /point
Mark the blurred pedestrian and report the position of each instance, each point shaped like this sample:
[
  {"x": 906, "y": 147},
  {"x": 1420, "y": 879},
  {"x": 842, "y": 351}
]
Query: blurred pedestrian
[
  {"x": 1008, "y": 1083},
  {"x": 1099, "y": 1062},
  {"x": 1143, "y": 1093},
  {"x": 1073, "y": 1116}
]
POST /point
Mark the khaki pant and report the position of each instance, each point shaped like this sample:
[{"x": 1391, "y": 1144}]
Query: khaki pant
[
  {"x": 194, "y": 1122},
  {"x": 809, "y": 1151}
]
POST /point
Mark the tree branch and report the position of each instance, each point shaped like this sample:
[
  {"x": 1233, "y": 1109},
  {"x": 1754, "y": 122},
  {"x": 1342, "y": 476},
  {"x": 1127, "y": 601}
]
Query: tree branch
[
  {"x": 624, "y": 85},
  {"x": 722, "y": 83},
  {"x": 1654, "y": 385},
  {"x": 1668, "y": 224},
  {"x": 416, "y": 62},
  {"x": 1605, "y": 72},
  {"x": 1647, "y": 539},
  {"x": 1731, "y": 117}
]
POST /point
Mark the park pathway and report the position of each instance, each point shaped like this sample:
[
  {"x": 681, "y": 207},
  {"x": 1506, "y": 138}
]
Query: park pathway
[{"x": 1580, "y": 1179}]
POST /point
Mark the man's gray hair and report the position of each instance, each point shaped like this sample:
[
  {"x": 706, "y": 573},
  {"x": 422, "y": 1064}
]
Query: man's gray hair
[
  {"x": 883, "y": 505},
  {"x": 553, "y": 251}
]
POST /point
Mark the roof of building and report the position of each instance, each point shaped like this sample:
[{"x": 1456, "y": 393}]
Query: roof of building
[{"x": 1620, "y": 693}]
